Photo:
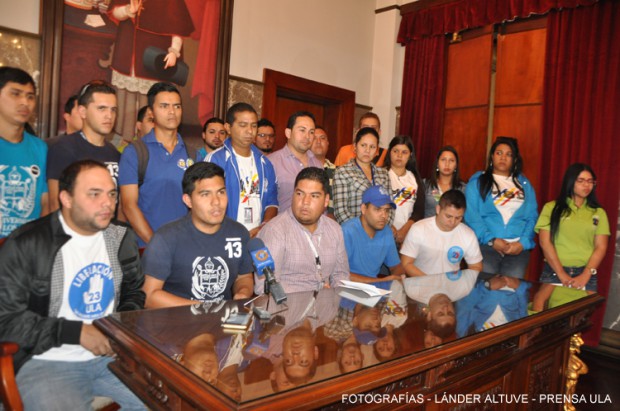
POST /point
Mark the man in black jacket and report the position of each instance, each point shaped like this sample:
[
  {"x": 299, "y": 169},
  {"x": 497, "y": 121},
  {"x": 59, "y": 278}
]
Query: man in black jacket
[{"x": 57, "y": 275}]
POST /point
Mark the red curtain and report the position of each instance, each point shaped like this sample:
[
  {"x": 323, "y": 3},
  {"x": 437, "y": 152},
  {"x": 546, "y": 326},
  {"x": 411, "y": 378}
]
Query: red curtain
[
  {"x": 580, "y": 111},
  {"x": 465, "y": 14},
  {"x": 421, "y": 115}
]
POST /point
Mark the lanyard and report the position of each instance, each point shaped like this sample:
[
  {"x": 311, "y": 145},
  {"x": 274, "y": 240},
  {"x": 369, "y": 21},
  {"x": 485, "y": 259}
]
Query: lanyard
[
  {"x": 372, "y": 172},
  {"x": 317, "y": 259}
]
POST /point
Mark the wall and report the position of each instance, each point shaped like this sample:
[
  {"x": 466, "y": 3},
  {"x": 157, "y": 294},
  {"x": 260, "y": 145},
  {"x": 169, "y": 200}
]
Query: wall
[
  {"x": 24, "y": 18},
  {"x": 323, "y": 40},
  {"x": 342, "y": 43}
]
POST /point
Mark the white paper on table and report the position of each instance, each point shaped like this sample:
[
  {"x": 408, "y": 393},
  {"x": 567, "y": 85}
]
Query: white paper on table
[{"x": 362, "y": 293}]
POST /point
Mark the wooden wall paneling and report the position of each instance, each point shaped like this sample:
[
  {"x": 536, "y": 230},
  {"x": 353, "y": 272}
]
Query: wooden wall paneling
[
  {"x": 337, "y": 105},
  {"x": 525, "y": 123},
  {"x": 466, "y": 130},
  {"x": 466, "y": 113},
  {"x": 287, "y": 106},
  {"x": 520, "y": 67},
  {"x": 469, "y": 72}
]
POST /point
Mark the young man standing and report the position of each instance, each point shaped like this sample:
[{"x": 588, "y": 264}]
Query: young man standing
[
  {"x": 266, "y": 136},
  {"x": 157, "y": 199},
  {"x": 213, "y": 135},
  {"x": 59, "y": 274},
  {"x": 97, "y": 108},
  {"x": 294, "y": 156},
  {"x": 319, "y": 149},
  {"x": 23, "y": 157},
  {"x": 250, "y": 177},
  {"x": 438, "y": 244},
  {"x": 202, "y": 256}
]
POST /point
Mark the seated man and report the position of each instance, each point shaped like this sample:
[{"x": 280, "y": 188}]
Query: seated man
[
  {"x": 200, "y": 256},
  {"x": 63, "y": 359},
  {"x": 307, "y": 247},
  {"x": 438, "y": 244},
  {"x": 370, "y": 242}
]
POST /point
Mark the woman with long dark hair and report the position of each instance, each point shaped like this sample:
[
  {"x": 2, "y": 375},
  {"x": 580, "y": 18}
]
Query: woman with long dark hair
[
  {"x": 573, "y": 231},
  {"x": 502, "y": 210},
  {"x": 353, "y": 178},
  {"x": 444, "y": 177},
  {"x": 407, "y": 185}
]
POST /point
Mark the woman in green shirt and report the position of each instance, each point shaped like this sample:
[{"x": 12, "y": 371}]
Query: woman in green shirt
[{"x": 573, "y": 233}]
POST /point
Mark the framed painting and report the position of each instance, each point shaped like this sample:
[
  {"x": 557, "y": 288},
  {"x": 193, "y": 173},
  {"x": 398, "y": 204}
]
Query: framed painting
[{"x": 125, "y": 42}]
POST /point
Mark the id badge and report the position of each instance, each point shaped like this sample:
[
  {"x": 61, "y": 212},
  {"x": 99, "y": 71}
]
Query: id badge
[{"x": 247, "y": 215}]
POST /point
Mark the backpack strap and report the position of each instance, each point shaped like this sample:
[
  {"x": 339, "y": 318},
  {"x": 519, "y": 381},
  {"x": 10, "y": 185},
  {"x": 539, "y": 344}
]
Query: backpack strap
[{"x": 143, "y": 159}]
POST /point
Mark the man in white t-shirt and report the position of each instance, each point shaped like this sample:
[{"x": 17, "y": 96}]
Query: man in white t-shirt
[
  {"x": 60, "y": 273},
  {"x": 438, "y": 244}
]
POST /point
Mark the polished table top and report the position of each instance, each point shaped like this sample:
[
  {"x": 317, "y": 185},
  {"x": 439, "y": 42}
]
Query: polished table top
[{"x": 316, "y": 336}]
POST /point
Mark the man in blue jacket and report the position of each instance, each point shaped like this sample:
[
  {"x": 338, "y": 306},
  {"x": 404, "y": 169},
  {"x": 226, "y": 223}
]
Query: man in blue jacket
[{"x": 250, "y": 177}]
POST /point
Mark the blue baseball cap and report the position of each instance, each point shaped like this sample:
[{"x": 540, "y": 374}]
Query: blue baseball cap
[{"x": 377, "y": 196}]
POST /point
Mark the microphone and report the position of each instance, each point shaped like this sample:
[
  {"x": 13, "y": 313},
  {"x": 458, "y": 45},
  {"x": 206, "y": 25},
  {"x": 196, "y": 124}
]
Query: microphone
[{"x": 264, "y": 266}]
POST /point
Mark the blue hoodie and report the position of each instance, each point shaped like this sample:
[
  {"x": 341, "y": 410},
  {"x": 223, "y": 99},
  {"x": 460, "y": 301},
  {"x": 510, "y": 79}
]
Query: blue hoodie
[
  {"x": 487, "y": 222},
  {"x": 225, "y": 158}
]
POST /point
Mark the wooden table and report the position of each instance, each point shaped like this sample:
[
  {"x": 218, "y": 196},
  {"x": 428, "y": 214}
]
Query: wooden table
[{"x": 522, "y": 364}]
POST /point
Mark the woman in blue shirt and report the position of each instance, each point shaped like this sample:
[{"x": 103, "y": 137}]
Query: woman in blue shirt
[{"x": 502, "y": 210}]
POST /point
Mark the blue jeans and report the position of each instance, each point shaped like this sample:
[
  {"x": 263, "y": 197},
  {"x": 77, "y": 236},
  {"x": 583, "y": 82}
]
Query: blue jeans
[
  {"x": 510, "y": 265},
  {"x": 60, "y": 385},
  {"x": 548, "y": 276}
]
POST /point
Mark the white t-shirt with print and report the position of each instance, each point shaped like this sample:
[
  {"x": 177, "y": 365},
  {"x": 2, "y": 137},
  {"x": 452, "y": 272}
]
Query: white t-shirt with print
[
  {"x": 250, "y": 210},
  {"x": 88, "y": 288},
  {"x": 437, "y": 251},
  {"x": 508, "y": 199},
  {"x": 404, "y": 194}
]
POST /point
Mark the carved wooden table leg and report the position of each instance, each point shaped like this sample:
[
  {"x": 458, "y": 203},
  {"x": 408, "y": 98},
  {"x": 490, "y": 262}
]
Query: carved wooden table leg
[{"x": 574, "y": 369}]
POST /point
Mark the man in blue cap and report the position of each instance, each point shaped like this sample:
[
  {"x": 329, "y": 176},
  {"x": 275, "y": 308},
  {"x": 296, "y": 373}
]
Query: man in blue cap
[{"x": 369, "y": 240}]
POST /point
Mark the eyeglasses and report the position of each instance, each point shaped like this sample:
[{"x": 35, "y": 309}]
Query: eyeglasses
[
  {"x": 588, "y": 181},
  {"x": 263, "y": 135}
]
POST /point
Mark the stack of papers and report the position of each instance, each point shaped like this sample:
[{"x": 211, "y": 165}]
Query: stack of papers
[{"x": 362, "y": 293}]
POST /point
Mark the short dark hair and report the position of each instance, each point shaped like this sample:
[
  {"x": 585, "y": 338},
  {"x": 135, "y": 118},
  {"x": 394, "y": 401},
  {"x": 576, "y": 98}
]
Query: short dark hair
[
  {"x": 142, "y": 113},
  {"x": 85, "y": 95},
  {"x": 70, "y": 104},
  {"x": 366, "y": 130},
  {"x": 200, "y": 171},
  {"x": 315, "y": 174},
  {"x": 157, "y": 88},
  {"x": 293, "y": 118},
  {"x": 66, "y": 181},
  {"x": 320, "y": 127},
  {"x": 369, "y": 114},
  {"x": 211, "y": 121},
  {"x": 263, "y": 122},
  {"x": 14, "y": 75},
  {"x": 238, "y": 108},
  {"x": 454, "y": 198}
]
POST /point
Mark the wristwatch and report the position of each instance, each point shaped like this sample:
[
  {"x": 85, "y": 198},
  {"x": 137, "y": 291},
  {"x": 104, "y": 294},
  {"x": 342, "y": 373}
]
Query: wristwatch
[
  {"x": 490, "y": 243},
  {"x": 593, "y": 271}
]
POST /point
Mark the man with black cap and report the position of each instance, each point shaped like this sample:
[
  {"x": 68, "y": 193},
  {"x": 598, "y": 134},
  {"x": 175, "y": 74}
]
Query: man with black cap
[{"x": 369, "y": 240}]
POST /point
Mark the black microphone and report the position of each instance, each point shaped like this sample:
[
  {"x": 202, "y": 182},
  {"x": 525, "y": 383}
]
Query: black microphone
[{"x": 264, "y": 266}]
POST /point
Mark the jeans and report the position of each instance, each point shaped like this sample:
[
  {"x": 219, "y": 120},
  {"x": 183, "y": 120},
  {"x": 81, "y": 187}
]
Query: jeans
[
  {"x": 510, "y": 265},
  {"x": 60, "y": 385},
  {"x": 548, "y": 276}
]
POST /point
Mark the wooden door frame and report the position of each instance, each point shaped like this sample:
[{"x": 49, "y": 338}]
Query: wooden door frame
[{"x": 338, "y": 103}]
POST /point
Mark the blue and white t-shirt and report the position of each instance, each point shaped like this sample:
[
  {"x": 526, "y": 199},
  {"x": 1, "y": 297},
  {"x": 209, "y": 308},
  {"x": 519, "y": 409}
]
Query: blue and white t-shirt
[
  {"x": 22, "y": 181},
  {"x": 88, "y": 288}
]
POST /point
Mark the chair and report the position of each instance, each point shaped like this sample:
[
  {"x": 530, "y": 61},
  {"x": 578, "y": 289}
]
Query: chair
[{"x": 8, "y": 388}]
